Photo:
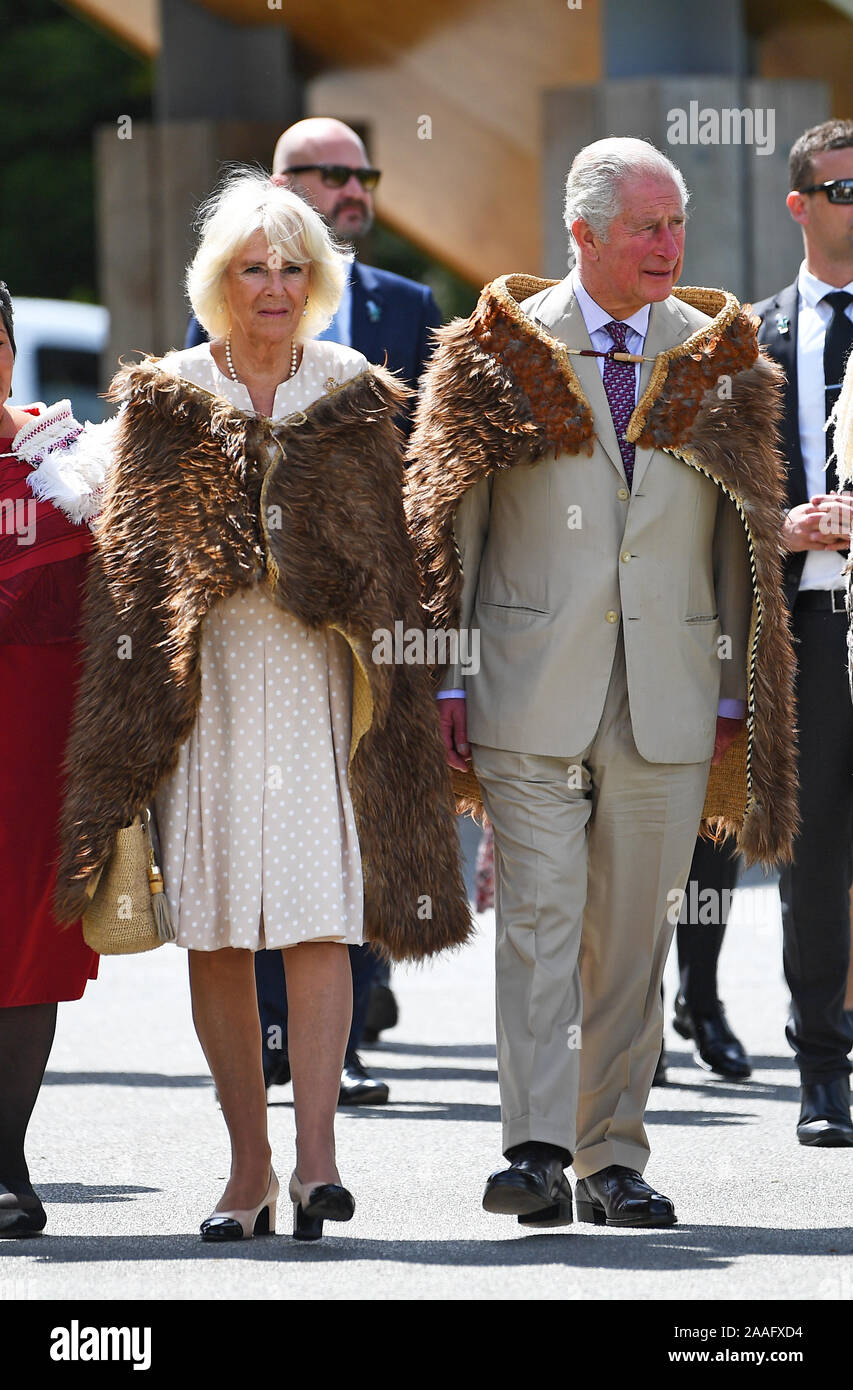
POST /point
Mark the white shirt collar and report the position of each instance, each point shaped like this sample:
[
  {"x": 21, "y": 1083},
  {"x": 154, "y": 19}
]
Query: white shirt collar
[
  {"x": 595, "y": 317},
  {"x": 813, "y": 290}
]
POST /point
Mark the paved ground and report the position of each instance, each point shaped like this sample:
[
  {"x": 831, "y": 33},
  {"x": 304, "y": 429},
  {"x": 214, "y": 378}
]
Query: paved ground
[{"x": 129, "y": 1152}]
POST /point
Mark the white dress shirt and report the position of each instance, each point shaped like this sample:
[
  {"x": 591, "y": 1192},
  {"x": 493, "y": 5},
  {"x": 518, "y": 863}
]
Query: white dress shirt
[
  {"x": 823, "y": 568},
  {"x": 595, "y": 318}
]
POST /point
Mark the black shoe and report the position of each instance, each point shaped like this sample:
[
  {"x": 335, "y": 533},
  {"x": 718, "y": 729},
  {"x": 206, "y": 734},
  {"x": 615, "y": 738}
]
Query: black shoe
[
  {"x": 358, "y": 1087},
  {"x": 278, "y": 1073},
  {"x": 21, "y": 1214},
  {"x": 382, "y": 1013},
  {"x": 314, "y": 1203},
  {"x": 824, "y": 1121},
  {"x": 659, "y": 1078},
  {"x": 534, "y": 1188},
  {"x": 617, "y": 1196},
  {"x": 717, "y": 1048}
]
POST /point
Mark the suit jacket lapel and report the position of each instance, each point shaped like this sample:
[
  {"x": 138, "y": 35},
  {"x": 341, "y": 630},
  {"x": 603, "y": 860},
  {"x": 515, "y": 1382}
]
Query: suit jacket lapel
[
  {"x": 782, "y": 346},
  {"x": 366, "y": 327},
  {"x": 561, "y": 316},
  {"x": 667, "y": 327}
]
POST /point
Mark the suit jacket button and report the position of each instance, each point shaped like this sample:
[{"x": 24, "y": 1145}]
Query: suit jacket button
[
  {"x": 625, "y": 556},
  {"x": 622, "y": 494},
  {"x": 611, "y": 616}
]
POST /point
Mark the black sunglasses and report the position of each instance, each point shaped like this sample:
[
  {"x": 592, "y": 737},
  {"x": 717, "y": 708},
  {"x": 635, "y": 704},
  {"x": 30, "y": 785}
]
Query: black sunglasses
[
  {"x": 336, "y": 175},
  {"x": 836, "y": 190}
]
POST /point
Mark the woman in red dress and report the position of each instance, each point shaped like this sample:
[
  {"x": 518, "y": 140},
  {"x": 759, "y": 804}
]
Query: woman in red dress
[{"x": 43, "y": 557}]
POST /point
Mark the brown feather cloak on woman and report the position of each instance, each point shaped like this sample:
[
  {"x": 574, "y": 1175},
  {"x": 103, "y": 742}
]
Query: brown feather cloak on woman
[{"x": 204, "y": 499}]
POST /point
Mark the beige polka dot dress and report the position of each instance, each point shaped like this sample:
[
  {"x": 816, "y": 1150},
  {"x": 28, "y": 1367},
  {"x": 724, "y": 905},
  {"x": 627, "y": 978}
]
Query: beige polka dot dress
[{"x": 256, "y": 823}]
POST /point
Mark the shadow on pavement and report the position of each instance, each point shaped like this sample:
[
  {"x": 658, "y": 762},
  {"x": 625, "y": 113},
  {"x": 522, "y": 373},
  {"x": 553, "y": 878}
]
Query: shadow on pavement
[
  {"x": 707, "y": 1084},
  {"x": 682, "y": 1247},
  {"x": 706, "y": 1119},
  {"x": 434, "y": 1049},
  {"x": 680, "y": 1057},
  {"x": 412, "y": 1110},
  {"x": 392, "y": 1074},
  {"x": 121, "y": 1078},
  {"x": 51, "y": 1192}
]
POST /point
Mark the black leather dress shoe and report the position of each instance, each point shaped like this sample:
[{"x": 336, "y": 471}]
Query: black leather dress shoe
[
  {"x": 618, "y": 1196},
  {"x": 534, "y": 1187},
  {"x": 279, "y": 1073},
  {"x": 382, "y": 1012},
  {"x": 358, "y": 1087},
  {"x": 717, "y": 1048},
  {"x": 824, "y": 1121},
  {"x": 21, "y": 1212}
]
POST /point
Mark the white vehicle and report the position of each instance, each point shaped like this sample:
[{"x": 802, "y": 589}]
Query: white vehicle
[{"x": 59, "y": 355}]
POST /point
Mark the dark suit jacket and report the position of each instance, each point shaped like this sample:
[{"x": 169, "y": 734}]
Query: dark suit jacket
[
  {"x": 391, "y": 319},
  {"x": 778, "y": 334}
]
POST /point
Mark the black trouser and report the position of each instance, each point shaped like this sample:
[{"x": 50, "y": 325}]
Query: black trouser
[
  {"x": 272, "y": 1000},
  {"x": 815, "y": 888},
  {"x": 714, "y": 871}
]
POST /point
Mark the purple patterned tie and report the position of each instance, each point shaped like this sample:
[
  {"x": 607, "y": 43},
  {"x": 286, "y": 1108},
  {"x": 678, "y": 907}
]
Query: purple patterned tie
[{"x": 619, "y": 385}]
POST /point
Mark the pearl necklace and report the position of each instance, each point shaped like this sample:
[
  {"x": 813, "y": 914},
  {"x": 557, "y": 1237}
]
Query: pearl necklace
[{"x": 294, "y": 361}]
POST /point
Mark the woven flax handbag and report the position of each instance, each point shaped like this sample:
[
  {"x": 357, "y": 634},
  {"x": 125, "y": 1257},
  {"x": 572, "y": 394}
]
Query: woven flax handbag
[{"x": 128, "y": 911}]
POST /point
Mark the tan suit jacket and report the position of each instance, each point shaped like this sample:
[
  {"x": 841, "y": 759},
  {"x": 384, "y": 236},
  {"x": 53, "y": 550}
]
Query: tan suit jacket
[{"x": 556, "y": 556}]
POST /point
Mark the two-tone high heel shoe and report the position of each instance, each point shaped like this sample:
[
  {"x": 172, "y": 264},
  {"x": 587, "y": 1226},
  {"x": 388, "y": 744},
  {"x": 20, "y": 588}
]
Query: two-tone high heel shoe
[
  {"x": 316, "y": 1202},
  {"x": 242, "y": 1225}
]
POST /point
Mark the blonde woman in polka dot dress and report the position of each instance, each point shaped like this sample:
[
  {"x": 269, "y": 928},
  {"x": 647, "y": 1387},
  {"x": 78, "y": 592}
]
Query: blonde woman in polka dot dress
[
  {"x": 250, "y": 543},
  {"x": 259, "y": 844},
  {"x": 258, "y": 838}
]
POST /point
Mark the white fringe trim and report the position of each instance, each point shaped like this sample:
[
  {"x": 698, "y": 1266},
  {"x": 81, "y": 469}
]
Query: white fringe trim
[{"x": 71, "y": 462}]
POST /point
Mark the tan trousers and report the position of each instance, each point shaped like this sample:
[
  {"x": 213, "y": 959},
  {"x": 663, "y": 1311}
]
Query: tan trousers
[{"x": 587, "y": 850}]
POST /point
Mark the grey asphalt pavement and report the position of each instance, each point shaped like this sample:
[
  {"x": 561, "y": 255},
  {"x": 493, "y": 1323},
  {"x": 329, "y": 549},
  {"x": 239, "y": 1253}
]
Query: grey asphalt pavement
[{"x": 128, "y": 1149}]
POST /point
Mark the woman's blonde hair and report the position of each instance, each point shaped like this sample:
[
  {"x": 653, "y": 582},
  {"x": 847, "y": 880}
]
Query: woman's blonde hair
[
  {"x": 842, "y": 418},
  {"x": 246, "y": 202}
]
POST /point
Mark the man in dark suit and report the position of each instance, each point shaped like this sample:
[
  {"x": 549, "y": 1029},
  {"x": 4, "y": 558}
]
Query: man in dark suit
[
  {"x": 808, "y": 329},
  {"x": 389, "y": 319}
]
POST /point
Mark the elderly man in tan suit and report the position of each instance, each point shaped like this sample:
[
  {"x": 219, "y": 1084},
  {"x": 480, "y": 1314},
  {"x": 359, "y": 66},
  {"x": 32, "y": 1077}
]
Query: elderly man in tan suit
[{"x": 595, "y": 489}]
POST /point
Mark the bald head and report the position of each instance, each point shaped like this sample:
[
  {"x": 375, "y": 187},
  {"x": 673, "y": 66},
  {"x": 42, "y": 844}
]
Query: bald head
[{"x": 319, "y": 140}]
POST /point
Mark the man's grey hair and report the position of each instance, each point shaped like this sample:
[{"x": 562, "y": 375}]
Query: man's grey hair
[{"x": 596, "y": 176}]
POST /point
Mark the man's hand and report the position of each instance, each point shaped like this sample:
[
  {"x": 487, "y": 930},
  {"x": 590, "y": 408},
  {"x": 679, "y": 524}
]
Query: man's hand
[
  {"x": 823, "y": 523},
  {"x": 837, "y": 520},
  {"x": 453, "y": 718},
  {"x": 727, "y": 732}
]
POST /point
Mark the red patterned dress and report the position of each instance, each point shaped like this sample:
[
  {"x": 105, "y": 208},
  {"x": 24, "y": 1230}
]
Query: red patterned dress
[{"x": 43, "y": 559}]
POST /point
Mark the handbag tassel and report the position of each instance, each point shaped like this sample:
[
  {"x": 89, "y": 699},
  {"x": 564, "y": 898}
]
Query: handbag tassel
[{"x": 160, "y": 903}]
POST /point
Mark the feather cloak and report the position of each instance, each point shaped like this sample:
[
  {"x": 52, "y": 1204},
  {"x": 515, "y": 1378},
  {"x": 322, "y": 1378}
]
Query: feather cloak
[
  {"x": 500, "y": 392},
  {"x": 203, "y": 499}
]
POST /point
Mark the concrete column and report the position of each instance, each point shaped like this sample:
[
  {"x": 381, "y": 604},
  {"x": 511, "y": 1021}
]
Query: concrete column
[
  {"x": 211, "y": 68},
  {"x": 740, "y": 235},
  {"x": 149, "y": 188},
  {"x": 775, "y": 246},
  {"x": 669, "y": 37},
  {"x": 224, "y": 94}
]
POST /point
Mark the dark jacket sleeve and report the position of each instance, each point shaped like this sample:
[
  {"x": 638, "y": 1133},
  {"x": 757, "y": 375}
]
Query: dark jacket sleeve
[
  {"x": 195, "y": 334},
  {"x": 426, "y": 342}
]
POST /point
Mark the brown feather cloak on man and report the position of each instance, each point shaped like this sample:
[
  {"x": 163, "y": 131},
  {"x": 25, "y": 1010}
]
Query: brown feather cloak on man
[
  {"x": 501, "y": 392},
  {"x": 204, "y": 499}
]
